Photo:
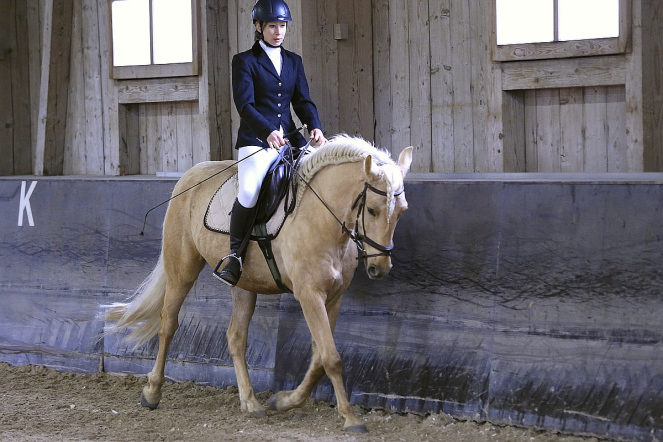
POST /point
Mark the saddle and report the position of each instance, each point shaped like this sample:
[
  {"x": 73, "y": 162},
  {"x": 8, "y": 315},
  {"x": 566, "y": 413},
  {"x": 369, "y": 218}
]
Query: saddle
[
  {"x": 277, "y": 199},
  {"x": 279, "y": 185}
]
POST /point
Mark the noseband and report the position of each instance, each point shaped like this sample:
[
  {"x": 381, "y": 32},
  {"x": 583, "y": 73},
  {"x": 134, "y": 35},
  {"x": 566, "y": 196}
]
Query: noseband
[{"x": 360, "y": 238}]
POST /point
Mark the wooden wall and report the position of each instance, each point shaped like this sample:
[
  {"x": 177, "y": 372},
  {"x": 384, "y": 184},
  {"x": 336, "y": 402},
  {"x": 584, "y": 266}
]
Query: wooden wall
[
  {"x": 569, "y": 130},
  {"x": 161, "y": 125},
  {"x": 15, "y": 107},
  {"x": 396, "y": 72},
  {"x": 652, "y": 82},
  {"x": 436, "y": 87}
]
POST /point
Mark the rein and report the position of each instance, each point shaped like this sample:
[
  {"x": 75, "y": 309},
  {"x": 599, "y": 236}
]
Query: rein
[{"x": 142, "y": 232}]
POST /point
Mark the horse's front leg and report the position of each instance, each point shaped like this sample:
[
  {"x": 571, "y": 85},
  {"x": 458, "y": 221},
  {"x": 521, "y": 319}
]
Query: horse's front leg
[
  {"x": 244, "y": 304},
  {"x": 321, "y": 320}
]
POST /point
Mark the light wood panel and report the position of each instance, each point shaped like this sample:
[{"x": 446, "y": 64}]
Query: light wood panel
[
  {"x": 56, "y": 50},
  {"x": 409, "y": 73},
  {"x": 355, "y": 70},
  {"x": 321, "y": 61},
  {"x": 442, "y": 92},
  {"x": 571, "y": 125},
  {"x": 382, "y": 74},
  {"x": 571, "y": 130}
]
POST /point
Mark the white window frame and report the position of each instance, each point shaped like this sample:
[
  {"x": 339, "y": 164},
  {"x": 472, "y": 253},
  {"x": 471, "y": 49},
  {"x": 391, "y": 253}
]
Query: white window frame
[
  {"x": 565, "y": 49},
  {"x": 159, "y": 70}
]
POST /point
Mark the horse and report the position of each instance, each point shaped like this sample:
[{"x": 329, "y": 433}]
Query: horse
[{"x": 349, "y": 199}]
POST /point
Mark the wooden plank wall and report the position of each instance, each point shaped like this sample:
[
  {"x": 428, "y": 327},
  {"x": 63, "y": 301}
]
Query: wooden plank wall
[
  {"x": 407, "y": 73},
  {"x": 140, "y": 126},
  {"x": 436, "y": 87},
  {"x": 572, "y": 130},
  {"x": 53, "y": 87},
  {"x": 652, "y": 51},
  {"x": 216, "y": 75},
  {"x": 84, "y": 146},
  {"x": 15, "y": 108}
]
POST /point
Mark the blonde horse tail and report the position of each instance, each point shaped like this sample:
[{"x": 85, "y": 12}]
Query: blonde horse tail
[{"x": 142, "y": 314}]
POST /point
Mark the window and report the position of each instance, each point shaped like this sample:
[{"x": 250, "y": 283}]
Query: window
[
  {"x": 537, "y": 29},
  {"x": 154, "y": 38}
]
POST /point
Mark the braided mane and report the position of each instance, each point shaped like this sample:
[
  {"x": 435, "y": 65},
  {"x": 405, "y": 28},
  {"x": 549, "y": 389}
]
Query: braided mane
[{"x": 346, "y": 149}]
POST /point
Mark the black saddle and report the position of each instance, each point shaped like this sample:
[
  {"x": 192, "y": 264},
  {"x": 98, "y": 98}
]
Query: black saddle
[{"x": 279, "y": 184}]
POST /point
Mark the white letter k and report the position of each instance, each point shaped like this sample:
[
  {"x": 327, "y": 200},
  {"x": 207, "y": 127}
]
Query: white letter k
[{"x": 25, "y": 204}]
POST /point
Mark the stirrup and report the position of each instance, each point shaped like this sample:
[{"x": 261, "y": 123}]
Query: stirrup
[{"x": 217, "y": 273}]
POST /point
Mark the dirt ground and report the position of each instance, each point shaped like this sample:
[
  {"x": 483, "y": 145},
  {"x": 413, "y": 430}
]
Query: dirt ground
[{"x": 38, "y": 404}]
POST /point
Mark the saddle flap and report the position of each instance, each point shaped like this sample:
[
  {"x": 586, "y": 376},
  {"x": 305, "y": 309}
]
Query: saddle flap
[{"x": 278, "y": 184}]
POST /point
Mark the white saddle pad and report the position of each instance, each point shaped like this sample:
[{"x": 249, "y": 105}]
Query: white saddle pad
[{"x": 217, "y": 217}]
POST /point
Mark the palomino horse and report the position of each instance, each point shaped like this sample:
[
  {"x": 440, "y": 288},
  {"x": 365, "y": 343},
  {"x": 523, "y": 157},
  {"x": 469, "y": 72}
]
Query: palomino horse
[{"x": 354, "y": 196}]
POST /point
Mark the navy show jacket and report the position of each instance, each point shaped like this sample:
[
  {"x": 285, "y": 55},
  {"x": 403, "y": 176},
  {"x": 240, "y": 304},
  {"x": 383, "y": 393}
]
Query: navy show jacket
[{"x": 263, "y": 98}]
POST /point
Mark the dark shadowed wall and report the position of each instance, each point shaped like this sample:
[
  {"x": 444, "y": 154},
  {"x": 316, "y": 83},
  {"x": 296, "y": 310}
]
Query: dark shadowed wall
[{"x": 523, "y": 299}]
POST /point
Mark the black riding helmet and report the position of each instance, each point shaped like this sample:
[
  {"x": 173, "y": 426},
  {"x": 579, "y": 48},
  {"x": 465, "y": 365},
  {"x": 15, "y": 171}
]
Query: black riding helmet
[{"x": 267, "y": 11}]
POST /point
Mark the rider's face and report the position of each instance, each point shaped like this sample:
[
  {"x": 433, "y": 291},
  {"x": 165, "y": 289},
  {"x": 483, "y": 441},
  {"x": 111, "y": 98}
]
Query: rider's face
[{"x": 274, "y": 32}]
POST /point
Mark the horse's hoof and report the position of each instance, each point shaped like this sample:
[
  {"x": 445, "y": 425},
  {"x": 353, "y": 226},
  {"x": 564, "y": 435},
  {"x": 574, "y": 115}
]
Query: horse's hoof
[
  {"x": 356, "y": 429},
  {"x": 144, "y": 402},
  {"x": 258, "y": 414}
]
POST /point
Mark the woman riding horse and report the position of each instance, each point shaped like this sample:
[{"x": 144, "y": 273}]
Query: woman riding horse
[{"x": 266, "y": 80}]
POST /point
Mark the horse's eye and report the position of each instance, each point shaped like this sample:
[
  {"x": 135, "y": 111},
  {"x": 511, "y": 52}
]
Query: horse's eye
[{"x": 371, "y": 211}]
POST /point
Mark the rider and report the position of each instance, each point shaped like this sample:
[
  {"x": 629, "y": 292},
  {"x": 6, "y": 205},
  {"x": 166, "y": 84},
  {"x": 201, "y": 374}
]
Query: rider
[{"x": 266, "y": 80}]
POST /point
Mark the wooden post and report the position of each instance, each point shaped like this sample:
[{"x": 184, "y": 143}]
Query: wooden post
[{"x": 56, "y": 49}]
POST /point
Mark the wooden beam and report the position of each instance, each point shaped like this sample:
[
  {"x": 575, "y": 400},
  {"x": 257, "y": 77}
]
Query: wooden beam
[
  {"x": 53, "y": 94},
  {"x": 159, "y": 90},
  {"x": 577, "y": 72}
]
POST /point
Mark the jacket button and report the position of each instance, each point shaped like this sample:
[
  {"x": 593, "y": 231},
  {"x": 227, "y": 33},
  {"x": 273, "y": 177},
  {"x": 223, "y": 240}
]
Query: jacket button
[
  {"x": 279, "y": 115},
  {"x": 279, "y": 105},
  {"x": 280, "y": 84}
]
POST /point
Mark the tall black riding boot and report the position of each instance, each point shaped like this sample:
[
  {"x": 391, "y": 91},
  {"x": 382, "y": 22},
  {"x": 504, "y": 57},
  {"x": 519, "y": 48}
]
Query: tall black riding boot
[{"x": 241, "y": 223}]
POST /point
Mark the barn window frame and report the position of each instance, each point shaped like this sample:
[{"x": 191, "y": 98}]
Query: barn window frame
[
  {"x": 565, "y": 49},
  {"x": 153, "y": 70}
]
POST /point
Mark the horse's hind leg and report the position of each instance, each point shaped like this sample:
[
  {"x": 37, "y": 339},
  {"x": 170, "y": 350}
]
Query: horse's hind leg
[
  {"x": 181, "y": 275},
  {"x": 287, "y": 400},
  {"x": 244, "y": 303}
]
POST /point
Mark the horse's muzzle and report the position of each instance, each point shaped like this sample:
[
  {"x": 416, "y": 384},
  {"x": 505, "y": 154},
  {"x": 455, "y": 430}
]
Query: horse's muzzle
[{"x": 378, "y": 271}]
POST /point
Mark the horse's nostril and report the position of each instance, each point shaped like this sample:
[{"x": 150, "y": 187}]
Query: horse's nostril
[{"x": 373, "y": 272}]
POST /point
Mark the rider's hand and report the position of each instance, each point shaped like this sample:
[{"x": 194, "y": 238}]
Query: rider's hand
[
  {"x": 317, "y": 137},
  {"x": 275, "y": 140}
]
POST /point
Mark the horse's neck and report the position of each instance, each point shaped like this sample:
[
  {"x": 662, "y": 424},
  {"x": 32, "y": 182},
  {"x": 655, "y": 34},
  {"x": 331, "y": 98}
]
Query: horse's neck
[{"x": 337, "y": 186}]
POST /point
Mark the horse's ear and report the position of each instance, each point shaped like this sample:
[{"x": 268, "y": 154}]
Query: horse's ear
[
  {"x": 405, "y": 159},
  {"x": 368, "y": 165}
]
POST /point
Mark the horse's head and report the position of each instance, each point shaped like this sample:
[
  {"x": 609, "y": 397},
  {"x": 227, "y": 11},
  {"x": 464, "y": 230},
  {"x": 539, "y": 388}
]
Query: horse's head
[{"x": 379, "y": 206}]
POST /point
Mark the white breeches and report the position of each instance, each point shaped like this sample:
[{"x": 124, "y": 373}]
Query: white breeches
[{"x": 252, "y": 171}]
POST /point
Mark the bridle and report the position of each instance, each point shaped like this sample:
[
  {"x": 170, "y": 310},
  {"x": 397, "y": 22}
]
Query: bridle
[
  {"x": 355, "y": 235},
  {"x": 360, "y": 238}
]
